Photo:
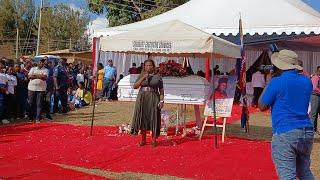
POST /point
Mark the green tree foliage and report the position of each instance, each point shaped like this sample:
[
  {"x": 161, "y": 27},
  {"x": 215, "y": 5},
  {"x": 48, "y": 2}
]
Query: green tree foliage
[
  {"x": 16, "y": 14},
  {"x": 120, "y": 12},
  {"x": 59, "y": 25},
  {"x": 7, "y": 19}
]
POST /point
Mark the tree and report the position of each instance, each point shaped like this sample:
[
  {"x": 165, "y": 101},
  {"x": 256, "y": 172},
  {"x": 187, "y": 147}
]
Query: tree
[
  {"x": 59, "y": 25},
  {"x": 7, "y": 19},
  {"x": 120, "y": 12},
  {"x": 16, "y": 14},
  {"x": 62, "y": 26}
]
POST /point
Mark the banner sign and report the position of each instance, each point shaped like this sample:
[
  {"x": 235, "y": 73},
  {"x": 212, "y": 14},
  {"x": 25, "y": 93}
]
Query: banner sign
[
  {"x": 223, "y": 93},
  {"x": 152, "y": 46}
]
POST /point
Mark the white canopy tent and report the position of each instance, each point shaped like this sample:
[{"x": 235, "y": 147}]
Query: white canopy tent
[
  {"x": 170, "y": 38},
  {"x": 221, "y": 17},
  {"x": 173, "y": 37}
]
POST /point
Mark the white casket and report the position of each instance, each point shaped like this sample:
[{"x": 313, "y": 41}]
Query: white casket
[{"x": 178, "y": 90}]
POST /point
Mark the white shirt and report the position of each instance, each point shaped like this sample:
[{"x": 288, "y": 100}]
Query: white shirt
[
  {"x": 258, "y": 80},
  {"x": 3, "y": 79},
  {"x": 80, "y": 78},
  {"x": 38, "y": 84},
  {"x": 12, "y": 82}
]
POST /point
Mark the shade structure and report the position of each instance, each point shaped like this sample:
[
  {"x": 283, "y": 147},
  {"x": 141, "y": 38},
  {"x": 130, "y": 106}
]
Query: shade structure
[
  {"x": 221, "y": 17},
  {"x": 173, "y": 37}
]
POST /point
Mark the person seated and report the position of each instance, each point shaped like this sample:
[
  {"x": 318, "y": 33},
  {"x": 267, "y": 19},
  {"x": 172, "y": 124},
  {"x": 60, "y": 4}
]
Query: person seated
[
  {"x": 79, "y": 96},
  {"x": 216, "y": 70},
  {"x": 201, "y": 73},
  {"x": 71, "y": 99},
  {"x": 87, "y": 98},
  {"x": 134, "y": 69},
  {"x": 141, "y": 68}
]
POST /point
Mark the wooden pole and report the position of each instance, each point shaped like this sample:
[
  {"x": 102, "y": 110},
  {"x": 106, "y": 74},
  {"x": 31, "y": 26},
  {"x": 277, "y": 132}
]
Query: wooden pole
[
  {"x": 17, "y": 43},
  {"x": 94, "y": 74},
  {"x": 39, "y": 29}
]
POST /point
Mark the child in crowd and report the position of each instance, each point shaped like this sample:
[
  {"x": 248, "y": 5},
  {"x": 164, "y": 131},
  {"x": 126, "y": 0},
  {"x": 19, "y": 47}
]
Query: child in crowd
[
  {"x": 10, "y": 98},
  {"x": 3, "y": 91},
  {"x": 82, "y": 96},
  {"x": 80, "y": 76}
]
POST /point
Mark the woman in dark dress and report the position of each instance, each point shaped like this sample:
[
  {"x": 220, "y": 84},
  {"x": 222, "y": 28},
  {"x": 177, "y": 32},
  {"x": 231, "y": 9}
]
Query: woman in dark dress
[{"x": 148, "y": 104}]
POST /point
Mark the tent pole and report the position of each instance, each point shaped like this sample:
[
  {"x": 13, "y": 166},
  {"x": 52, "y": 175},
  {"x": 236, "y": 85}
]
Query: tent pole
[
  {"x": 207, "y": 69},
  {"x": 95, "y": 61},
  {"x": 214, "y": 105},
  {"x": 93, "y": 104}
]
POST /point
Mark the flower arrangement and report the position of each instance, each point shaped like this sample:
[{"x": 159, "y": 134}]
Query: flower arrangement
[{"x": 171, "y": 68}]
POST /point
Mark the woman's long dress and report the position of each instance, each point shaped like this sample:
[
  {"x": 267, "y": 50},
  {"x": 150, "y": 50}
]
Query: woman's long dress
[{"x": 147, "y": 113}]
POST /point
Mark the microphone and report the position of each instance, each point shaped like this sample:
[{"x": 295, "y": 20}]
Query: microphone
[{"x": 148, "y": 79}]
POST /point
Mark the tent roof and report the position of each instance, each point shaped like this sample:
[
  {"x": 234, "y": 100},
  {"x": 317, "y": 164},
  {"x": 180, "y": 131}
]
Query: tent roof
[
  {"x": 169, "y": 38},
  {"x": 315, "y": 40},
  {"x": 221, "y": 17}
]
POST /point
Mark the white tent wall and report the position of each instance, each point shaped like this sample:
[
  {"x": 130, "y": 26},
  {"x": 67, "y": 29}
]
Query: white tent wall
[{"x": 123, "y": 61}]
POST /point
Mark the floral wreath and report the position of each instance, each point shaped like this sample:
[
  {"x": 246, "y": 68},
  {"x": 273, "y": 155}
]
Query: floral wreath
[{"x": 171, "y": 68}]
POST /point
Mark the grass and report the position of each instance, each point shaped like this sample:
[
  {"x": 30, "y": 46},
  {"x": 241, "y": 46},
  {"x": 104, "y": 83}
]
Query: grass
[
  {"x": 120, "y": 175},
  {"x": 112, "y": 113},
  {"x": 117, "y": 113}
]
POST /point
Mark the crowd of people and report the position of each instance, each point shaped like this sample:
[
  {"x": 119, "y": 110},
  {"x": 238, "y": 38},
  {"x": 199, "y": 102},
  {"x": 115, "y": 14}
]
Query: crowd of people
[{"x": 35, "y": 90}]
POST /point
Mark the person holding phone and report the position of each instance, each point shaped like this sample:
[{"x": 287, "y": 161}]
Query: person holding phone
[
  {"x": 288, "y": 94},
  {"x": 148, "y": 104}
]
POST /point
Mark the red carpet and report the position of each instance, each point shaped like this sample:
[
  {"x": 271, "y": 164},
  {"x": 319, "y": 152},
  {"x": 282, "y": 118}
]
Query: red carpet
[{"x": 28, "y": 151}]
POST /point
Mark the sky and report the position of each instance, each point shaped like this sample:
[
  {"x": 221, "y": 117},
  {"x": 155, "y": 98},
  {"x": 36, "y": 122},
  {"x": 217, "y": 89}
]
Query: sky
[{"x": 99, "y": 22}]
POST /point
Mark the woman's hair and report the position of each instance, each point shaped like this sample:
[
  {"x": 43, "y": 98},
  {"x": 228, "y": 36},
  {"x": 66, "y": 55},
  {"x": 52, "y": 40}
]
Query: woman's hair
[
  {"x": 82, "y": 83},
  {"x": 100, "y": 65},
  {"x": 149, "y": 60}
]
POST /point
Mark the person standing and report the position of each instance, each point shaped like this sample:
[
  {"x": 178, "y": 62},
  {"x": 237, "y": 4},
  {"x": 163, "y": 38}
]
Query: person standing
[
  {"x": 148, "y": 104},
  {"x": 304, "y": 72},
  {"x": 100, "y": 79},
  {"x": 258, "y": 83},
  {"x": 61, "y": 84},
  {"x": 110, "y": 75},
  {"x": 3, "y": 90},
  {"x": 72, "y": 71},
  {"x": 49, "y": 96},
  {"x": 315, "y": 99},
  {"x": 288, "y": 95},
  {"x": 80, "y": 76},
  {"x": 36, "y": 89},
  {"x": 140, "y": 68},
  {"x": 12, "y": 83},
  {"x": 134, "y": 69},
  {"x": 21, "y": 91},
  {"x": 89, "y": 75}
]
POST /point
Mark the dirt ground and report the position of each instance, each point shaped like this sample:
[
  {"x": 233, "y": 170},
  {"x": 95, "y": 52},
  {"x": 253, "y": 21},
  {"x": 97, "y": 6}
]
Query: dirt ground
[{"x": 117, "y": 113}]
